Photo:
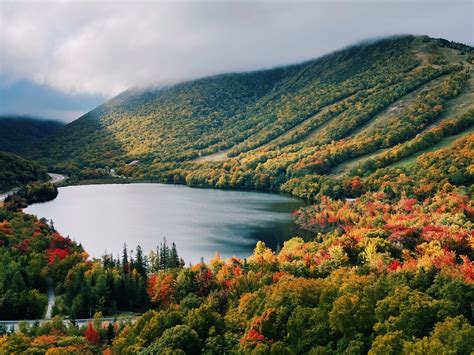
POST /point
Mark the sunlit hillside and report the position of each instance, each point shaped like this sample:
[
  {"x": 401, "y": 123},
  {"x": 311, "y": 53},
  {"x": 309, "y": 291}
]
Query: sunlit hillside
[
  {"x": 262, "y": 129},
  {"x": 376, "y": 139}
]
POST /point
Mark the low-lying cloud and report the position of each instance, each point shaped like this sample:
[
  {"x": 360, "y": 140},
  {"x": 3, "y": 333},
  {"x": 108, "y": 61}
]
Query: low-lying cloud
[{"x": 105, "y": 47}]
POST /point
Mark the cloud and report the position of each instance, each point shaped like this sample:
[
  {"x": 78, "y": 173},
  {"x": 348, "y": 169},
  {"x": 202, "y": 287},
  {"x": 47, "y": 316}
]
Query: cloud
[
  {"x": 106, "y": 47},
  {"x": 26, "y": 98}
]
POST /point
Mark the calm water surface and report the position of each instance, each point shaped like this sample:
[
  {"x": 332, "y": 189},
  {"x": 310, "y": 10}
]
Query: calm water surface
[{"x": 199, "y": 221}]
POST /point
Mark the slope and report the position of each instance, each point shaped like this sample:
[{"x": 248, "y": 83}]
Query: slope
[
  {"x": 17, "y": 132},
  {"x": 16, "y": 171},
  {"x": 262, "y": 129}
]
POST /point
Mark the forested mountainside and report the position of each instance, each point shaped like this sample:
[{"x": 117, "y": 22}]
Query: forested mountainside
[
  {"x": 379, "y": 136},
  {"x": 16, "y": 133},
  {"x": 269, "y": 127},
  {"x": 388, "y": 273},
  {"x": 16, "y": 171}
]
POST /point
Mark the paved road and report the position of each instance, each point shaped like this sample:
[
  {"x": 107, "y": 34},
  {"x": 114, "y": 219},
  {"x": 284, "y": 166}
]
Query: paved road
[
  {"x": 51, "y": 298},
  {"x": 9, "y": 324},
  {"x": 56, "y": 178},
  {"x": 4, "y": 195}
]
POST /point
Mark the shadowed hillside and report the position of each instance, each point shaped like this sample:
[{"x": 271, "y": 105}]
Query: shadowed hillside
[
  {"x": 380, "y": 138},
  {"x": 16, "y": 171},
  {"x": 18, "y": 132}
]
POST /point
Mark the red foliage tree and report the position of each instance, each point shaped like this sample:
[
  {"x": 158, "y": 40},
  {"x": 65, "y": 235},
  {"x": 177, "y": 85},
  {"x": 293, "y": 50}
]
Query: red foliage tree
[
  {"x": 56, "y": 255},
  {"x": 394, "y": 265},
  {"x": 467, "y": 269},
  {"x": 252, "y": 336},
  {"x": 6, "y": 227},
  {"x": 161, "y": 289},
  {"x": 92, "y": 335},
  {"x": 59, "y": 242}
]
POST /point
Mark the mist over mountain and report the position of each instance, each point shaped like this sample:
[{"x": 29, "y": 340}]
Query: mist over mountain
[
  {"x": 17, "y": 132},
  {"x": 374, "y": 145},
  {"x": 286, "y": 120}
]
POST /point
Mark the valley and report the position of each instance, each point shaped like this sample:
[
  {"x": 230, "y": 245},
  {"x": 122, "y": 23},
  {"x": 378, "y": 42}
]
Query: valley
[
  {"x": 19, "y": 132},
  {"x": 323, "y": 207},
  {"x": 259, "y": 130}
]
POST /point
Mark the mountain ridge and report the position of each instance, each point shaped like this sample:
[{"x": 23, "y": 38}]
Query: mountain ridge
[
  {"x": 16, "y": 131},
  {"x": 380, "y": 139},
  {"x": 241, "y": 114}
]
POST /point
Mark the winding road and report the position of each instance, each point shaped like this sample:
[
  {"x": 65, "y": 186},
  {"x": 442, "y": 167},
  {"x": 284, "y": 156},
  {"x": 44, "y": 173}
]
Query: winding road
[
  {"x": 51, "y": 298},
  {"x": 4, "y": 195},
  {"x": 55, "y": 179}
]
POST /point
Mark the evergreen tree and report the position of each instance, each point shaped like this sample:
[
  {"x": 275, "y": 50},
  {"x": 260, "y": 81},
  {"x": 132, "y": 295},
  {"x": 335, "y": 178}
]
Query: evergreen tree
[
  {"x": 164, "y": 255},
  {"x": 154, "y": 258},
  {"x": 174, "y": 259},
  {"x": 110, "y": 333},
  {"x": 125, "y": 264},
  {"x": 51, "y": 225},
  {"x": 140, "y": 262}
]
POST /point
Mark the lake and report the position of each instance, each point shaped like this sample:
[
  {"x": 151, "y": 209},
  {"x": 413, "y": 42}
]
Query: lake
[{"x": 199, "y": 221}]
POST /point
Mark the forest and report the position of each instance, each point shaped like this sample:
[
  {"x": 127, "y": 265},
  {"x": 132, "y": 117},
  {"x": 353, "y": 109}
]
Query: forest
[
  {"x": 16, "y": 171},
  {"x": 271, "y": 124},
  {"x": 390, "y": 272},
  {"x": 18, "y": 132},
  {"x": 389, "y": 269}
]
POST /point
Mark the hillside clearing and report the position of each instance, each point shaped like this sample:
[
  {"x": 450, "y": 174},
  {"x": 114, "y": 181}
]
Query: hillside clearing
[
  {"x": 217, "y": 156},
  {"x": 443, "y": 144}
]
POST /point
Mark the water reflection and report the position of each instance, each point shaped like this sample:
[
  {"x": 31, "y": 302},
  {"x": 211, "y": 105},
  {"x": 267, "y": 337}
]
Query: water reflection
[{"x": 199, "y": 221}]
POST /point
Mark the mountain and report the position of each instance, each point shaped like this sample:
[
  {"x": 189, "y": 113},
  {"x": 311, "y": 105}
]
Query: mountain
[
  {"x": 334, "y": 116},
  {"x": 380, "y": 136},
  {"x": 16, "y": 171},
  {"x": 17, "y": 132}
]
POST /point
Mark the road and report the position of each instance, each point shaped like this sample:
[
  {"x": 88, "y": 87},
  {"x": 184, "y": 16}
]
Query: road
[
  {"x": 9, "y": 324},
  {"x": 4, "y": 195},
  {"x": 56, "y": 178},
  {"x": 51, "y": 298}
]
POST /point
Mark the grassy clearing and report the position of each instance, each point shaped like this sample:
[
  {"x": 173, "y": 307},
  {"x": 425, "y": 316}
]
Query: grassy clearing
[
  {"x": 462, "y": 103},
  {"x": 444, "y": 143},
  {"x": 217, "y": 156},
  {"x": 456, "y": 107},
  {"x": 393, "y": 111},
  {"x": 348, "y": 165}
]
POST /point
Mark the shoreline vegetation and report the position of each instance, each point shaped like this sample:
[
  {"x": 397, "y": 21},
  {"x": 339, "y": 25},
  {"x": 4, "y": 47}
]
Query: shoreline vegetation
[{"x": 389, "y": 270}]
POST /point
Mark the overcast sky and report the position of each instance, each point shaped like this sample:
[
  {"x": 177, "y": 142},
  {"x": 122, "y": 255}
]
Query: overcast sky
[{"x": 60, "y": 59}]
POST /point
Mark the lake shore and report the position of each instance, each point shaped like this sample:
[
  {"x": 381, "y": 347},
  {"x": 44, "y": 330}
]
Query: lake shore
[{"x": 200, "y": 221}]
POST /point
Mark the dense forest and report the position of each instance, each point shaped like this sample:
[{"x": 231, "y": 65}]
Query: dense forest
[
  {"x": 18, "y": 132},
  {"x": 378, "y": 137},
  {"x": 390, "y": 272},
  {"x": 16, "y": 171},
  {"x": 269, "y": 127}
]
